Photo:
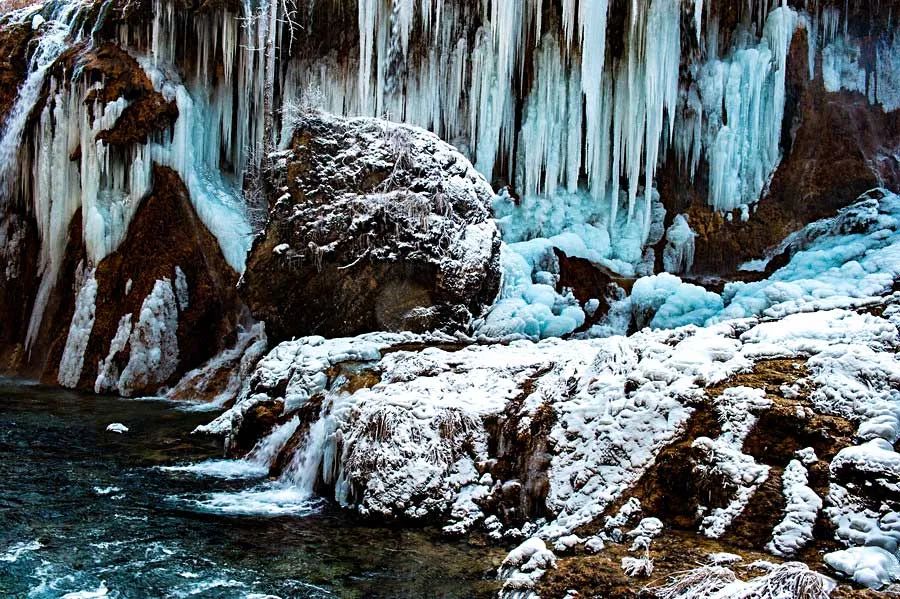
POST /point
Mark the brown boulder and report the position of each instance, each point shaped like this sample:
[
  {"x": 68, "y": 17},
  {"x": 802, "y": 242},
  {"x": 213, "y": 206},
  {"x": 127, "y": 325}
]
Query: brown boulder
[{"x": 375, "y": 226}]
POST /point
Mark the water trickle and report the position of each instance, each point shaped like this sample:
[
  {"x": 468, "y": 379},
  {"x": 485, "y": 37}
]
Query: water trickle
[{"x": 303, "y": 471}]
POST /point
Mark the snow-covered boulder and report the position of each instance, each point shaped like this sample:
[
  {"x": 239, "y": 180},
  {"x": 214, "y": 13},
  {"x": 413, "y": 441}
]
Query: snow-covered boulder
[
  {"x": 869, "y": 566},
  {"x": 374, "y": 226}
]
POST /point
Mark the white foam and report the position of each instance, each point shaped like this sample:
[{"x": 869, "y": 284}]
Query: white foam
[
  {"x": 16, "y": 550},
  {"x": 229, "y": 469},
  {"x": 272, "y": 499}
]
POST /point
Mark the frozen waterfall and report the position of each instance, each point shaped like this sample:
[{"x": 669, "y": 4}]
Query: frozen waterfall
[{"x": 531, "y": 91}]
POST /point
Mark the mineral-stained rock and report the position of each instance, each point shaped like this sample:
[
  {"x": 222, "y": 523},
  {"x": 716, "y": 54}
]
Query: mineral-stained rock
[
  {"x": 836, "y": 146},
  {"x": 165, "y": 237},
  {"x": 147, "y": 112},
  {"x": 374, "y": 226},
  {"x": 166, "y": 241},
  {"x": 14, "y": 40}
]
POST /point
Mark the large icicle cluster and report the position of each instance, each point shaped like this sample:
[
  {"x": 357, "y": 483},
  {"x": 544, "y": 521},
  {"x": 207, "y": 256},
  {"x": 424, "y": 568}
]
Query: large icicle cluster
[
  {"x": 73, "y": 168},
  {"x": 741, "y": 99},
  {"x": 544, "y": 103}
]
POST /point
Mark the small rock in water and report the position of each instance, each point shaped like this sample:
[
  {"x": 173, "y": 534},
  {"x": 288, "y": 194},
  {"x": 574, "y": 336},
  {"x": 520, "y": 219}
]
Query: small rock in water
[
  {"x": 117, "y": 427},
  {"x": 101, "y": 591}
]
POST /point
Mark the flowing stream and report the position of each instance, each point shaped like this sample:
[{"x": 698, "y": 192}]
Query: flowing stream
[{"x": 89, "y": 513}]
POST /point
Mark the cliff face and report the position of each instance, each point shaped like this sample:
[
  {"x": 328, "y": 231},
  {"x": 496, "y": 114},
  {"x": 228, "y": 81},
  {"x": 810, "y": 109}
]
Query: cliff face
[
  {"x": 179, "y": 178},
  {"x": 605, "y": 122}
]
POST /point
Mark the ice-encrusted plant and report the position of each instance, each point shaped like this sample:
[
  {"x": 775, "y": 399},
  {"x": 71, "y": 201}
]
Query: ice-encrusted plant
[
  {"x": 704, "y": 581},
  {"x": 294, "y": 112},
  {"x": 400, "y": 144},
  {"x": 791, "y": 580}
]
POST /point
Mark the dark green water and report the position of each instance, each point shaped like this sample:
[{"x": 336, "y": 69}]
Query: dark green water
[{"x": 80, "y": 506}]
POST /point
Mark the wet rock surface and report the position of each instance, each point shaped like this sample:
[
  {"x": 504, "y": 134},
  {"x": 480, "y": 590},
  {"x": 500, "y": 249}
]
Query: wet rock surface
[
  {"x": 14, "y": 39},
  {"x": 374, "y": 226}
]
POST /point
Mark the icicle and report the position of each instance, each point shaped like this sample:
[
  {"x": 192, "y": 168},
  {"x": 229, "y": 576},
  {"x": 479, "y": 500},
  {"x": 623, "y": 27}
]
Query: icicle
[
  {"x": 368, "y": 16},
  {"x": 698, "y": 18},
  {"x": 751, "y": 87},
  {"x": 662, "y": 54},
  {"x": 50, "y": 45},
  {"x": 592, "y": 27},
  {"x": 546, "y": 129}
]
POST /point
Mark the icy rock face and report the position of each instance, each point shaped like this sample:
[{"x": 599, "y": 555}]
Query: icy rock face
[
  {"x": 223, "y": 378},
  {"x": 374, "y": 226},
  {"x": 164, "y": 302},
  {"x": 72, "y": 360},
  {"x": 82, "y": 146}
]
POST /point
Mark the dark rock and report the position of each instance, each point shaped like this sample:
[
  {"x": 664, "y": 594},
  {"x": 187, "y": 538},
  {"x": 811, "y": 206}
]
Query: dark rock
[
  {"x": 589, "y": 281},
  {"x": 148, "y": 111},
  {"x": 166, "y": 233},
  {"x": 374, "y": 226}
]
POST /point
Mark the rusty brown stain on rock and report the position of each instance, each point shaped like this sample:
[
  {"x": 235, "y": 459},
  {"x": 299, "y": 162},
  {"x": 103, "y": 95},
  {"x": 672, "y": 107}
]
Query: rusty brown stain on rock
[{"x": 164, "y": 233}]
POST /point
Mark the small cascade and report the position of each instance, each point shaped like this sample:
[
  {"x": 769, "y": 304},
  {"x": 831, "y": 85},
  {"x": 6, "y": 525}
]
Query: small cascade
[
  {"x": 294, "y": 491},
  {"x": 255, "y": 464},
  {"x": 264, "y": 453},
  {"x": 318, "y": 458},
  {"x": 304, "y": 468}
]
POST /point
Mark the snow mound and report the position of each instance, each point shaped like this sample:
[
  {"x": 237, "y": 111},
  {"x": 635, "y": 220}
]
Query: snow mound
[{"x": 872, "y": 567}]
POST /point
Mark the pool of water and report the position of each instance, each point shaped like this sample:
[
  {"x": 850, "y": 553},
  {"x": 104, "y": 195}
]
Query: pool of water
[{"x": 89, "y": 513}]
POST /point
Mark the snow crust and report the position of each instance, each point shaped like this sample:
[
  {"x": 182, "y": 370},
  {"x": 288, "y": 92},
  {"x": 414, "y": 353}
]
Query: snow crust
[
  {"x": 872, "y": 567},
  {"x": 795, "y": 531}
]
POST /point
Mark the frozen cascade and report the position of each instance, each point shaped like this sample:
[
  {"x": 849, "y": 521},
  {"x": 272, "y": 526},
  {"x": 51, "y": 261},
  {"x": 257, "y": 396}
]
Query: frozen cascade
[
  {"x": 553, "y": 110},
  {"x": 628, "y": 109},
  {"x": 108, "y": 184},
  {"x": 294, "y": 490},
  {"x": 462, "y": 82},
  {"x": 72, "y": 360},
  {"x": 322, "y": 455},
  {"x": 845, "y": 66},
  {"x": 153, "y": 341},
  {"x": 104, "y": 194},
  {"x": 264, "y": 452},
  {"x": 746, "y": 91},
  {"x": 678, "y": 255},
  {"x": 51, "y": 43},
  {"x": 303, "y": 471}
]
